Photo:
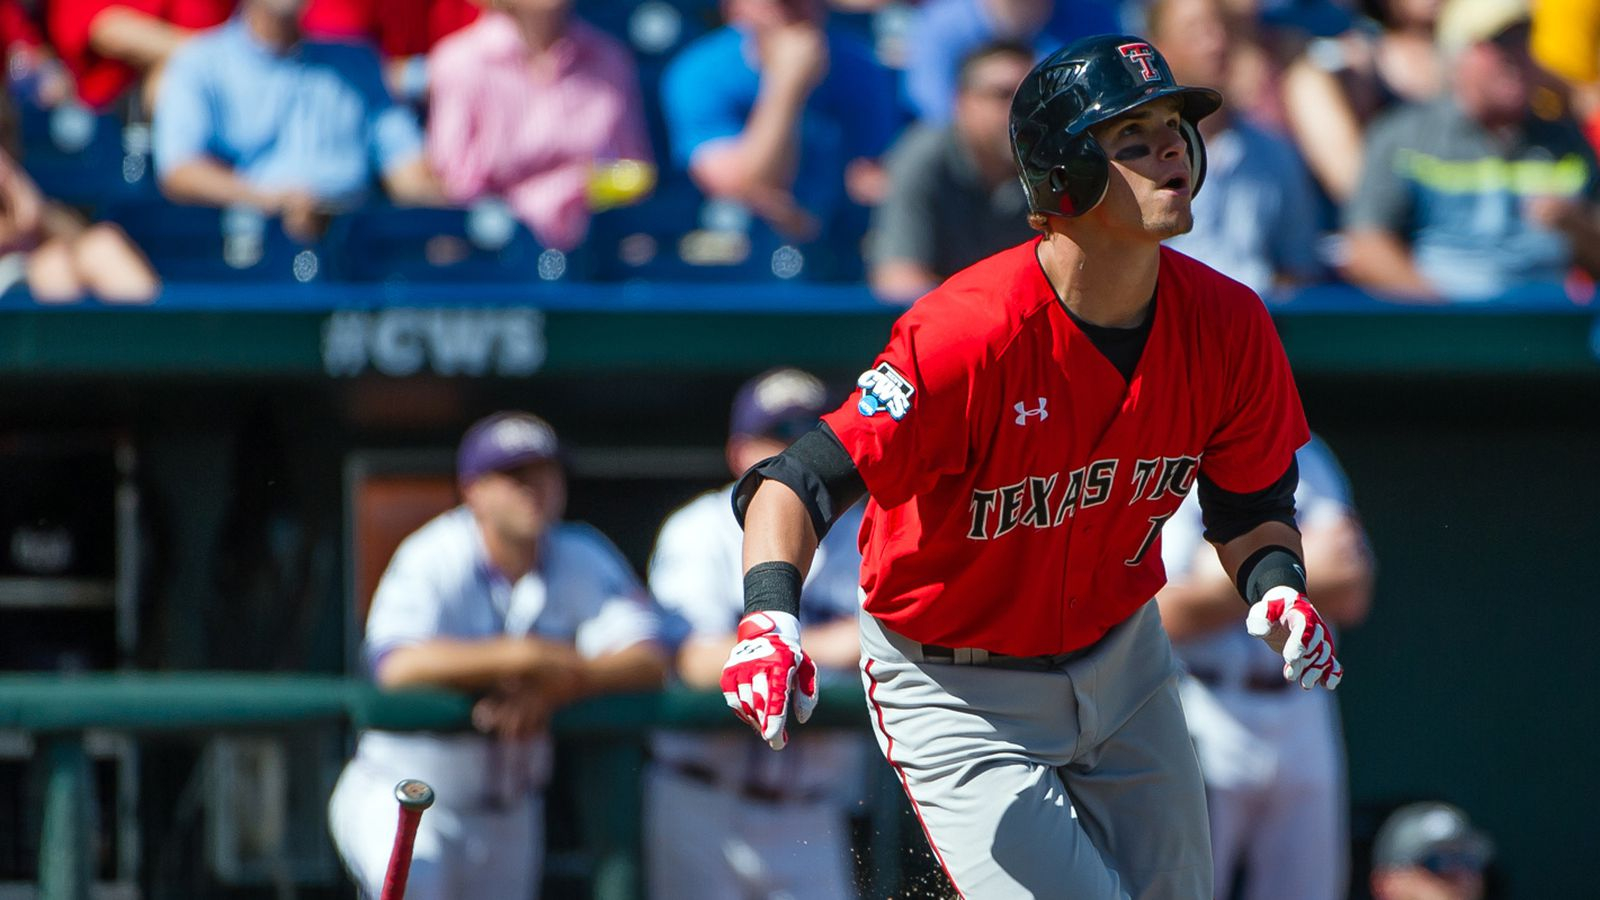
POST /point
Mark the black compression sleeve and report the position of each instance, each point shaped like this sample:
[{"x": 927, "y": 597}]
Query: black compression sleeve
[
  {"x": 772, "y": 586},
  {"x": 1271, "y": 566},
  {"x": 818, "y": 470},
  {"x": 1228, "y": 515}
]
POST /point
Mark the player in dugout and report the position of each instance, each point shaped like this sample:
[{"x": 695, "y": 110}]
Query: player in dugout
[{"x": 499, "y": 597}]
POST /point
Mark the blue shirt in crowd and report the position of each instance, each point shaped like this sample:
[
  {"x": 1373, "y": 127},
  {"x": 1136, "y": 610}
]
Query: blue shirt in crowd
[
  {"x": 945, "y": 31},
  {"x": 710, "y": 88},
  {"x": 1457, "y": 195},
  {"x": 316, "y": 118},
  {"x": 1255, "y": 218}
]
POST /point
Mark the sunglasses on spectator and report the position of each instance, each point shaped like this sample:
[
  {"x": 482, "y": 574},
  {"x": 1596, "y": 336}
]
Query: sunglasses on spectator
[{"x": 1451, "y": 862}]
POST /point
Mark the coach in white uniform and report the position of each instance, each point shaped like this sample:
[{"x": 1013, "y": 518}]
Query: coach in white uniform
[
  {"x": 1272, "y": 756},
  {"x": 725, "y": 817},
  {"x": 500, "y": 598}
]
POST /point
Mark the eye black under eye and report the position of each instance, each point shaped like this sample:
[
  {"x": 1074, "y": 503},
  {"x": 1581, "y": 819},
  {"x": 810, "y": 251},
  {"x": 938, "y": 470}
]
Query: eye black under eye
[{"x": 1136, "y": 151}]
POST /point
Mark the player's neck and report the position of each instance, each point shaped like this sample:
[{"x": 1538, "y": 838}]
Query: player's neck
[
  {"x": 510, "y": 558},
  {"x": 1110, "y": 283}
]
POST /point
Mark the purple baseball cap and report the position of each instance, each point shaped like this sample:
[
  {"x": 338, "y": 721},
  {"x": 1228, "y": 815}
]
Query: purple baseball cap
[
  {"x": 779, "y": 403},
  {"x": 505, "y": 441}
]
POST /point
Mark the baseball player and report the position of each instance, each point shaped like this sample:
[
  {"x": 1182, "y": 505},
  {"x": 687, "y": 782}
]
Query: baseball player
[
  {"x": 497, "y": 596},
  {"x": 1273, "y": 759},
  {"x": 1027, "y": 430},
  {"x": 725, "y": 819}
]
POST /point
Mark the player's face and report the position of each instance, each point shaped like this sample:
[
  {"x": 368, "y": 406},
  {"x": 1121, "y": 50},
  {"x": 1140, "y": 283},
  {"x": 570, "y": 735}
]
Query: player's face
[
  {"x": 1148, "y": 195},
  {"x": 520, "y": 504}
]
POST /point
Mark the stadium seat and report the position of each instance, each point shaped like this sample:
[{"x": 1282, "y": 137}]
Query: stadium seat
[
  {"x": 203, "y": 244},
  {"x": 82, "y": 157},
  {"x": 484, "y": 243}
]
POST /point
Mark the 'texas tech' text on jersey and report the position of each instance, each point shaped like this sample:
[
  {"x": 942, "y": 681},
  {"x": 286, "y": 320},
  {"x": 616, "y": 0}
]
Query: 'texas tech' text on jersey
[{"x": 1017, "y": 498}]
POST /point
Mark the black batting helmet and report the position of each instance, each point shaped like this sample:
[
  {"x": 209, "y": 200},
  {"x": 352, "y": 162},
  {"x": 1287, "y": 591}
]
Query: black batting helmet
[{"x": 1089, "y": 81}]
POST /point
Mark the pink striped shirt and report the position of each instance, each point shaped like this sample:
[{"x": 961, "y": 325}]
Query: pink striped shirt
[{"x": 503, "y": 121}]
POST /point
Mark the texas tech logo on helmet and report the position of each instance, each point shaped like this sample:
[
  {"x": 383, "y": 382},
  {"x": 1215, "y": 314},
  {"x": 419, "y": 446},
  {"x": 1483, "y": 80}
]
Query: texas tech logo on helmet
[{"x": 1140, "y": 54}]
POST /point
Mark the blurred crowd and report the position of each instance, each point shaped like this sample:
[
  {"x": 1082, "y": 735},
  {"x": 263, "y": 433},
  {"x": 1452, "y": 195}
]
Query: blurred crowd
[{"x": 1424, "y": 150}]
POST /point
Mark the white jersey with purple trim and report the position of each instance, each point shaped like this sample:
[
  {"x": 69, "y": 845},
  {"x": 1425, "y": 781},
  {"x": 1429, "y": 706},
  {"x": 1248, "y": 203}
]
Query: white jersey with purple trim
[
  {"x": 696, "y": 573},
  {"x": 725, "y": 817},
  {"x": 1272, "y": 755},
  {"x": 440, "y": 585}
]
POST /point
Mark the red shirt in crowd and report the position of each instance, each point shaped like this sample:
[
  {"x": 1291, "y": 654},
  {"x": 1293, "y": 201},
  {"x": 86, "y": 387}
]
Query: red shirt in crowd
[
  {"x": 101, "y": 80},
  {"x": 1018, "y": 483},
  {"x": 397, "y": 27}
]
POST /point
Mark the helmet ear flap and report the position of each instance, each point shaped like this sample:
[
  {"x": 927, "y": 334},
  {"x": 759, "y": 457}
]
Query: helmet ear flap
[
  {"x": 1083, "y": 177},
  {"x": 1197, "y": 155}
]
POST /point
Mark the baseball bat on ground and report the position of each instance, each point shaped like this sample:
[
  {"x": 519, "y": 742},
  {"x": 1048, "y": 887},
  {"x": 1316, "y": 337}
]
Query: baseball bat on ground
[{"x": 414, "y": 796}]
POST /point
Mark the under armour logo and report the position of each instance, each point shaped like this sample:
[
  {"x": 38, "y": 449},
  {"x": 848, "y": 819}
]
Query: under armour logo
[
  {"x": 1023, "y": 412},
  {"x": 1141, "y": 54}
]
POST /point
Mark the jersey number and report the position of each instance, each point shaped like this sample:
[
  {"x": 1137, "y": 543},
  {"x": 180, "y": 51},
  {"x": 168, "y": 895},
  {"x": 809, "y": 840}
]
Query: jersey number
[{"x": 1149, "y": 539}]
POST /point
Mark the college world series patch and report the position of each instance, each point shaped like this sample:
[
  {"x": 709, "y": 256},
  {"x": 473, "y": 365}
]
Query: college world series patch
[{"x": 884, "y": 390}]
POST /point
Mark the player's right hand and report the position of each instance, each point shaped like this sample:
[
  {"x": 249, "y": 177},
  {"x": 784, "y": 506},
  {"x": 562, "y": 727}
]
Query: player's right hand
[
  {"x": 766, "y": 670},
  {"x": 1287, "y": 621}
]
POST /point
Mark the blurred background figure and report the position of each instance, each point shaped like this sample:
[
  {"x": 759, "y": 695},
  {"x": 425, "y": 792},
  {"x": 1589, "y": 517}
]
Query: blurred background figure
[
  {"x": 1256, "y": 215},
  {"x": 252, "y": 113},
  {"x": 534, "y": 105},
  {"x": 782, "y": 115},
  {"x": 403, "y": 31},
  {"x": 1429, "y": 851},
  {"x": 726, "y": 818},
  {"x": 1272, "y": 755},
  {"x": 945, "y": 31},
  {"x": 57, "y": 255},
  {"x": 953, "y": 193},
  {"x": 1334, "y": 90},
  {"x": 497, "y": 597},
  {"x": 1471, "y": 195},
  {"x": 110, "y": 45}
]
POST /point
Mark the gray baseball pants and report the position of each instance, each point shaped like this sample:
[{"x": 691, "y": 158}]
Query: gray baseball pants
[{"x": 1065, "y": 778}]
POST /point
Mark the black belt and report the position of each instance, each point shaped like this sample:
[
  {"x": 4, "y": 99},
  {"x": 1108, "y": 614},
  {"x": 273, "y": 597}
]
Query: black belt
[
  {"x": 758, "y": 793},
  {"x": 1254, "y": 681},
  {"x": 969, "y": 656}
]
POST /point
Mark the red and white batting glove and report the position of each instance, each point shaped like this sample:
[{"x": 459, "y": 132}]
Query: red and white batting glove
[
  {"x": 767, "y": 668},
  {"x": 1287, "y": 621}
]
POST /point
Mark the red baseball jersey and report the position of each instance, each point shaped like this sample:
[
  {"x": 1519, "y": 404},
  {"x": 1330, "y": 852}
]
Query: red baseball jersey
[{"x": 1018, "y": 484}]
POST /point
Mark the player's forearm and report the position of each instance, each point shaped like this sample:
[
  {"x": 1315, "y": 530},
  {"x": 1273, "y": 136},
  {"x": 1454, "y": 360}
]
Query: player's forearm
[
  {"x": 777, "y": 528},
  {"x": 1195, "y": 607},
  {"x": 1378, "y": 261},
  {"x": 834, "y": 645},
  {"x": 701, "y": 658},
  {"x": 641, "y": 667},
  {"x": 459, "y": 665},
  {"x": 1340, "y": 568}
]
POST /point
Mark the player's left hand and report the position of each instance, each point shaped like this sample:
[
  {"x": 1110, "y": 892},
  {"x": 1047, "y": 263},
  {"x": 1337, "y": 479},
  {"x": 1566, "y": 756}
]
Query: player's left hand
[
  {"x": 1287, "y": 621},
  {"x": 765, "y": 670}
]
